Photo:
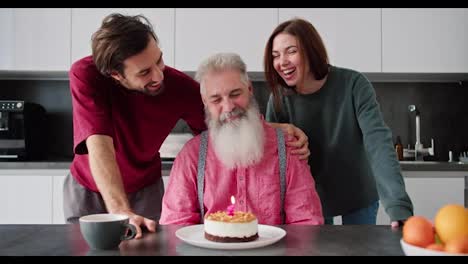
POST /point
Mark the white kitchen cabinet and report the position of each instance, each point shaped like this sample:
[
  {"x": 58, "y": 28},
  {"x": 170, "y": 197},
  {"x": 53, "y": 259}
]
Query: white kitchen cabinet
[
  {"x": 425, "y": 40},
  {"x": 429, "y": 191},
  {"x": 57, "y": 198},
  {"x": 352, "y": 36},
  {"x": 201, "y": 32},
  {"x": 31, "y": 196},
  {"x": 35, "y": 39},
  {"x": 6, "y": 40},
  {"x": 25, "y": 199},
  {"x": 85, "y": 21}
]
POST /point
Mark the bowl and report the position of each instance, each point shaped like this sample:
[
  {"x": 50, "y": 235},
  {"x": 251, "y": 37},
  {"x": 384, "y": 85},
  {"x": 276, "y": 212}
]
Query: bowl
[{"x": 411, "y": 250}]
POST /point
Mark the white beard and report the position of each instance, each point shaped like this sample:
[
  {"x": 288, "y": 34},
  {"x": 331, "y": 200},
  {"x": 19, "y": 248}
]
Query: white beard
[{"x": 238, "y": 143}]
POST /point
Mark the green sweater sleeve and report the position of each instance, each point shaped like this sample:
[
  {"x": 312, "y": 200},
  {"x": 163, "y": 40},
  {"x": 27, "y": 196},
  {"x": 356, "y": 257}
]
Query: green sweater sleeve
[
  {"x": 275, "y": 117},
  {"x": 270, "y": 115},
  {"x": 377, "y": 138}
]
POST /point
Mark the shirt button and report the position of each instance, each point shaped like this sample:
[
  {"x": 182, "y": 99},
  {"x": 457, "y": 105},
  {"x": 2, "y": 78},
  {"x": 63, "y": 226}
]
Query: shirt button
[
  {"x": 241, "y": 202},
  {"x": 241, "y": 178}
]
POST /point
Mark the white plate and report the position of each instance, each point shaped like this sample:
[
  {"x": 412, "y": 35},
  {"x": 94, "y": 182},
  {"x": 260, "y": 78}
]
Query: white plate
[
  {"x": 411, "y": 250},
  {"x": 195, "y": 235}
]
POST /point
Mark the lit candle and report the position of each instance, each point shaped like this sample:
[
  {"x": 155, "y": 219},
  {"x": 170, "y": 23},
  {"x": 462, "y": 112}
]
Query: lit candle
[{"x": 230, "y": 208}]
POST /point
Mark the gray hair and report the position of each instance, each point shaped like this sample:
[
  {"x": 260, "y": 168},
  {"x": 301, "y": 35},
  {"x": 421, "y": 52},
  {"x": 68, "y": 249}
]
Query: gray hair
[{"x": 220, "y": 62}]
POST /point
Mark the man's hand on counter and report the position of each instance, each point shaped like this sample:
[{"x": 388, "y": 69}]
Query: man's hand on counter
[{"x": 140, "y": 222}]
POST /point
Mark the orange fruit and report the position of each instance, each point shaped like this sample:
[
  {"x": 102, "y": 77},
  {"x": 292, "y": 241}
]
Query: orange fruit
[
  {"x": 451, "y": 221},
  {"x": 435, "y": 246},
  {"x": 418, "y": 231},
  {"x": 457, "y": 245}
]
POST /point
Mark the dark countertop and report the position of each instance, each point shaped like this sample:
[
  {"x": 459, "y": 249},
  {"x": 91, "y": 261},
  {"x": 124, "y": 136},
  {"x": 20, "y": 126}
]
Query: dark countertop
[
  {"x": 167, "y": 164},
  {"x": 34, "y": 165},
  {"x": 24, "y": 240},
  {"x": 433, "y": 166},
  {"x": 51, "y": 165}
]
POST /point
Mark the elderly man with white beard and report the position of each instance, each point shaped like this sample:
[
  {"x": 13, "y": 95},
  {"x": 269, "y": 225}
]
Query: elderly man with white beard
[{"x": 240, "y": 155}]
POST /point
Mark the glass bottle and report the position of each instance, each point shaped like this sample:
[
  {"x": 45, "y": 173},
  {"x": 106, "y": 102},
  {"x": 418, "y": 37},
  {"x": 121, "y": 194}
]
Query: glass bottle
[{"x": 399, "y": 148}]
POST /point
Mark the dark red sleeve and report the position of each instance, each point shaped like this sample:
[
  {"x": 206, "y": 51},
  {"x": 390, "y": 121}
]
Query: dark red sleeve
[
  {"x": 90, "y": 101},
  {"x": 194, "y": 113}
]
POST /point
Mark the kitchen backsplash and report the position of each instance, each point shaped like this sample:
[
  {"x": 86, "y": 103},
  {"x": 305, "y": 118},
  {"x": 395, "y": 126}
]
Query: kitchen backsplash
[
  {"x": 444, "y": 114},
  {"x": 56, "y": 99}
]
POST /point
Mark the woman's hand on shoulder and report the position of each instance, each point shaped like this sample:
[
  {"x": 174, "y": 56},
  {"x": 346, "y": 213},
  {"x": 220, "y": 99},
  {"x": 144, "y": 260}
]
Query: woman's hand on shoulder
[{"x": 296, "y": 139}]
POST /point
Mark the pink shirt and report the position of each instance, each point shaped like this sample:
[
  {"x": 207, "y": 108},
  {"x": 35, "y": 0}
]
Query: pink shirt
[
  {"x": 256, "y": 188},
  {"x": 137, "y": 123}
]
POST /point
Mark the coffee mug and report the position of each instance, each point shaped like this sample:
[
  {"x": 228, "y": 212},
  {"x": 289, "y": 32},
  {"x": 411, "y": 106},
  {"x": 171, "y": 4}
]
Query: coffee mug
[{"x": 106, "y": 231}]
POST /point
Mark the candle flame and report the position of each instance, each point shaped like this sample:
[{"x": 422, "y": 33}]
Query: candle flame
[{"x": 233, "y": 200}]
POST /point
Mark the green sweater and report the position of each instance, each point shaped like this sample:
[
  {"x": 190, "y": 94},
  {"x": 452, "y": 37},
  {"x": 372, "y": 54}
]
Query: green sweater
[{"x": 352, "y": 157}]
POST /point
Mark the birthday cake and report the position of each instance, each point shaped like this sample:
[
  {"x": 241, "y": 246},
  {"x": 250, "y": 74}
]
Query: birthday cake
[{"x": 236, "y": 227}]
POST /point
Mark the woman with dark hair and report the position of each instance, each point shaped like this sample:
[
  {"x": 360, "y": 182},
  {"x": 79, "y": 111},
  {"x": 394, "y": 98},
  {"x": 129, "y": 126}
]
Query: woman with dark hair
[{"x": 352, "y": 157}]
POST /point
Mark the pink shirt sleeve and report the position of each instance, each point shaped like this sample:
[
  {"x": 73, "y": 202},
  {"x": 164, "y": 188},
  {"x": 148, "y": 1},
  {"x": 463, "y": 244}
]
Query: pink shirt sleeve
[
  {"x": 91, "y": 110},
  {"x": 302, "y": 203},
  {"x": 180, "y": 201}
]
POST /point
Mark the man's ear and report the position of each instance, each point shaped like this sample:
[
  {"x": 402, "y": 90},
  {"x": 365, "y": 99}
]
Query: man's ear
[
  {"x": 203, "y": 94},
  {"x": 203, "y": 100},
  {"x": 116, "y": 76},
  {"x": 250, "y": 87}
]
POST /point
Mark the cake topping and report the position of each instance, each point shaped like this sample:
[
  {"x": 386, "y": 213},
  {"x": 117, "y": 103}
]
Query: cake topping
[{"x": 238, "y": 217}]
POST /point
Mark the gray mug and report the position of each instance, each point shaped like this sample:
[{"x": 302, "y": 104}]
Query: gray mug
[{"x": 106, "y": 231}]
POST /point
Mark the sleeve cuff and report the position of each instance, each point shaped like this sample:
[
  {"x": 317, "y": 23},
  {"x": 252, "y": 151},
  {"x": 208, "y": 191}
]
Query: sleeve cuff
[{"x": 398, "y": 213}]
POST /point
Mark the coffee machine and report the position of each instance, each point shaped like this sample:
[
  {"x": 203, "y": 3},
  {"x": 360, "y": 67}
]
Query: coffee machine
[{"x": 22, "y": 131}]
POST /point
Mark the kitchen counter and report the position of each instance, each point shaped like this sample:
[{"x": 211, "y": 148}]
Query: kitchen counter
[
  {"x": 433, "y": 166},
  {"x": 175, "y": 141},
  {"x": 167, "y": 164},
  {"x": 52, "y": 165},
  {"x": 66, "y": 240},
  {"x": 36, "y": 165}
]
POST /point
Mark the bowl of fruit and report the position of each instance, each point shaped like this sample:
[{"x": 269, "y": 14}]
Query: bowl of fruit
[
  {"x": 411, "y": 250},
  {"x": 446, "y": 236}
]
